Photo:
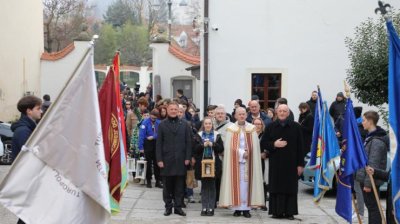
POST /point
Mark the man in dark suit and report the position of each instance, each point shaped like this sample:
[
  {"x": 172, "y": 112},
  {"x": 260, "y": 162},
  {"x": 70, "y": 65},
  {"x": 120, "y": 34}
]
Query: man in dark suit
[{"x": 173, "y": 154}]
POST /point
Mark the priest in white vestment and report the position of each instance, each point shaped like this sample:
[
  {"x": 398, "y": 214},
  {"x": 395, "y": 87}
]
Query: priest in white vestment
[{"x": 242, "y": 182}]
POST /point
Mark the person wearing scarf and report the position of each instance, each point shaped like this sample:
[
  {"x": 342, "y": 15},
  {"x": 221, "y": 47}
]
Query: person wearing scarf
[{"x": 208, "y": 146}]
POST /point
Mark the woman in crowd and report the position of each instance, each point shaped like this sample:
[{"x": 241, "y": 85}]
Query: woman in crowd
[
  {"x": 129, "y": 119},
  {"x": 260, "y": 127},
  {"x": 306, "y": 121},
  {"x": 208, "y": 145},
  {"x": 271, "y": 113},
  {"x": 163, "y": 112}
]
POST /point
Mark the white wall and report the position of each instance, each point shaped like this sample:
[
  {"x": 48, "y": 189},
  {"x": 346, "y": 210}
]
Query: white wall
[
  {"x": 167, "y": 66},
  {"x": 55, "y": 74},
  {"x": 304, "y": 38},
  {"x": 21, "y": 45}
]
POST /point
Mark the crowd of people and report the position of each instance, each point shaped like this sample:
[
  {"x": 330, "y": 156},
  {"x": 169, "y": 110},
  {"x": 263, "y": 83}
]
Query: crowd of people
[
  {"x": 230, "y": 154},
  {"x": 243, "y": 160}
]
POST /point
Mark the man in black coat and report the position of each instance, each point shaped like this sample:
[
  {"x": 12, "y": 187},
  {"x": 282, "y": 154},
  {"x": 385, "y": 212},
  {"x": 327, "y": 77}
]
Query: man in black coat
[
  {"x": 312, "y": 102},
  {"x": 283, "y": 140},
  {"x": 173, "y": 153}
]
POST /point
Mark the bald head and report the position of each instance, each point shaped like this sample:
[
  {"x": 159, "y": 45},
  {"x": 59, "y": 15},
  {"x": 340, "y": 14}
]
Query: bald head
[
  {"x": 283, "y": 112},
  {"x": 240, "y": 114},
  {"x": 254, "y": 107}
]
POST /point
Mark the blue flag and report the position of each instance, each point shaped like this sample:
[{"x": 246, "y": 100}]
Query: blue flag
[
  {"x": 353, "y": 158},
  {"x": 327, "y": 151},
  {"x": 394, "y": 112}
]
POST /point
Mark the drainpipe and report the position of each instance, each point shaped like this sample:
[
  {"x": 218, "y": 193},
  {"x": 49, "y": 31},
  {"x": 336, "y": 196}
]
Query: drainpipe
[{"x": 205, "y": 55}]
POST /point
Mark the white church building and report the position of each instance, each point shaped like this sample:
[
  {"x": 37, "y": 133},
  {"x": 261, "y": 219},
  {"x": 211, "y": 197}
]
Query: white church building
[{"x": 282, "y": 48}]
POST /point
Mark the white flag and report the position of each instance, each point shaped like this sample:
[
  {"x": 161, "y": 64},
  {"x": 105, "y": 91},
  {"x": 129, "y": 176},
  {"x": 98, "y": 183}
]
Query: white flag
[{"x": 59, "y": 176}]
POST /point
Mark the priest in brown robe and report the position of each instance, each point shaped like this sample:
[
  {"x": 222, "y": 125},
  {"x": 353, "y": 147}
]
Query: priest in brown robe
[
  {"x": 284, "y": 142},
  {"x": 242, "y": 182}
]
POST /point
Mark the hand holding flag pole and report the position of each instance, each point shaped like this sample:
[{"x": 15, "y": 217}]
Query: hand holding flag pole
[{"x": 347, "y": 90}]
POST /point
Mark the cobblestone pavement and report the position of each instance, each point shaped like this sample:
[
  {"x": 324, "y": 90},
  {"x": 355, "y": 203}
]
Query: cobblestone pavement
[{"x": 145, "y": 205}]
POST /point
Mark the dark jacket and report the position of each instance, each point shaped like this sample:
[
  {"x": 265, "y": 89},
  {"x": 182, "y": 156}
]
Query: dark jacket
[
  {"x": 218, "y": 147},
  {"x": 263, "y": 116},
  {"x": 376, "y": 146},
  {"x": 312, "y": 104},
  {"x": 306, "y": 121},
  {"x": 337, "y": 109},
  {"x": 283, "y": 162},
  {"x": 22, "y": 129},
  {"x": 174, "y": 146}
]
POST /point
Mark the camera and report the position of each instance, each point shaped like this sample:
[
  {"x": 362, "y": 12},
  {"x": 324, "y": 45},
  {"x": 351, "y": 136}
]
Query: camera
[{"x": 215, "y": 27}]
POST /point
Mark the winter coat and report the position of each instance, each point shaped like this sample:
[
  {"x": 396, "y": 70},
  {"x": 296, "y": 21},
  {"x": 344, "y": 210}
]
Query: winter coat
[
  {"x": 337, "y": 109},
  {"x": 174, "y": 146},
  {"x": 312, "y": 104},
  {"x": 283, "y": 162},
  {"x": 22, "y": 129},
  {"x": 306, "y": 121},
  {"x": 376, "y": 147},
  {"x": 218, "y": 147},
  {"x": 263, "y": 116}
]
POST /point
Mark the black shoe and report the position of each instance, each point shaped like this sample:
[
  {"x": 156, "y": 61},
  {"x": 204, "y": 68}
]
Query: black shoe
[
  {"x": 148, "y": 185},
  {"x": 203, "y": 212},
  {"x": 246, "y": 214},
  {"x": 277, "y": 216},
  {"x": 159, "y": 184},
  {"x": 237, "y": 213},
  {"x": 168, "y": 211},
  {"x": 264, "y": 208},
  {"x": 179, "y": 211},
  {"x": 290, "y": 217},
  {"x": 210, "y": 212}
]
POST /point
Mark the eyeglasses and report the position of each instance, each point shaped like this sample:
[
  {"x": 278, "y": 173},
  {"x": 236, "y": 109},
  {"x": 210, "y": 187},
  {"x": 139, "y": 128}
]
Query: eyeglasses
[{"x": 128, "y": 104}]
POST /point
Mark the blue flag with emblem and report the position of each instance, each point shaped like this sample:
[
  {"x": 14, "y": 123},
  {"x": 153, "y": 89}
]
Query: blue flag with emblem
[
  {"x": 394, "y": 112},
  {"x": 327, "y": 152},
  {"x": 353, "y": 158},
  {"x": 324, "y": 149}
]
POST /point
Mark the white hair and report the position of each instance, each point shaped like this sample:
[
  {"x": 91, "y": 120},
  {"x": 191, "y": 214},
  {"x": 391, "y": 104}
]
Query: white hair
[{"x": 220, "y": 107}]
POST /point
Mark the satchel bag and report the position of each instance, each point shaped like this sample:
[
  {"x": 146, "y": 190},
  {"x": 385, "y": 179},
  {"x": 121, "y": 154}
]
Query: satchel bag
[{"x": 190, "y": 179}]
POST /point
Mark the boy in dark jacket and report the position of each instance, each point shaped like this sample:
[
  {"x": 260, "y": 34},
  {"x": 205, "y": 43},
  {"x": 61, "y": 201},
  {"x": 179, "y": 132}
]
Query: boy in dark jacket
[
  {"x": 30, "y": 108},
  {"x": 376, "y": 145}
]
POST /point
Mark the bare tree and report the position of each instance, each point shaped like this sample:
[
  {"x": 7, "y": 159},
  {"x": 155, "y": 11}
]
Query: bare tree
[
  {"x": 62, "y": 20},
  {"x": 138, "y": 7}
]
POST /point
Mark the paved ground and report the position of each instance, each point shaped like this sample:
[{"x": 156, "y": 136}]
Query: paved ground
[{"x": 144, "y": 205}]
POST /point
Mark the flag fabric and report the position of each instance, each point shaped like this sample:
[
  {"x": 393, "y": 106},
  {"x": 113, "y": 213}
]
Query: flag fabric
[
  {"x": 394, "y": 112},
  {"x": 111, "y": 138},
  {"x": 353, "y": 158},
  {"x": 59, "y": 176},
  {"x": 121, "y": 124},
  {"x": 327, "y": 151}
]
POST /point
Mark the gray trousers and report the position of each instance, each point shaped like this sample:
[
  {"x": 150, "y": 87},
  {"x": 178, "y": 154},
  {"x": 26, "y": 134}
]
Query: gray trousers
[
  {"x": 359, "y": 197},
  {"x": 208, "y": 193}
]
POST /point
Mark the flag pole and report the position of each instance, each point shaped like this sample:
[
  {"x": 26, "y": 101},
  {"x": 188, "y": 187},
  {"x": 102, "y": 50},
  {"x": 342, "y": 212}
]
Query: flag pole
[
  {"x": 347, "y": 91},
  {"x": 377, "y": 198}
]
